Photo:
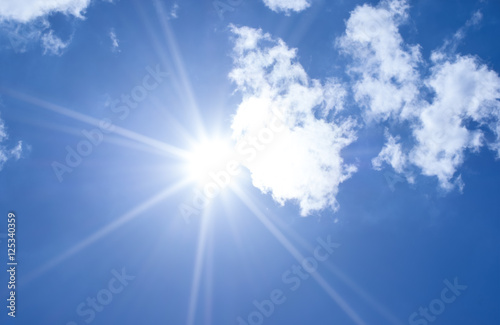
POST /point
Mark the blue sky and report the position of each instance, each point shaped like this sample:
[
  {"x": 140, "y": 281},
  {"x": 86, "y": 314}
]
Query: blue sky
[{"x": 251, "y": 162}]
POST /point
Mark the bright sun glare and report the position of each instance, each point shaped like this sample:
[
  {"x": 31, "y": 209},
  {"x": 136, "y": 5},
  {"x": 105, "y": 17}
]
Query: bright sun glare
[{"x": 208, "y": 156}]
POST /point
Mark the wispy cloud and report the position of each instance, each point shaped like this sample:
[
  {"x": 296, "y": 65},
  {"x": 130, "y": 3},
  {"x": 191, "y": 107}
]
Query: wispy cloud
[
  {"x": 5, "y": 153},
  {"x": 115, "y": 45},
  {"x": 25, "y": 22},
  {"x": 174, "y": 10},
  {"x": 450, "y": 45},
  {"x": 287, "y": 6},
  {"x": 303, "y": 162},
  {"x": 391, "y": 154},
  {"x": 21, "y": 36},
  {"x": 52, "y": 44}
]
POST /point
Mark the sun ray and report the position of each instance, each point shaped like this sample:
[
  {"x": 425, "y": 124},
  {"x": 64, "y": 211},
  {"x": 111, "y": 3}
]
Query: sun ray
[
  {"x": 176, "y": 152},
  {"x": 379, "y": 308},
  {"x": 297, "y": 255},
  {"x": 125, "y": 218},
  {"x": 198, "y": 268},
  {"x": 174, "y": 125},
  {"x": 180, "y": 67},
  {"x": 159, "y": 48},
  {"x": 209, "y": 281}
]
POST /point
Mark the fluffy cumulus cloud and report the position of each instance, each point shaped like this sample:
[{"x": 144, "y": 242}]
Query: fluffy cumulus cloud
[
  {"x": 24, "y": 22},
  {"x": 287, "y": 5},
  {"x": 286, "y": 127},
  {"x": 386, "y": 83},
  {"x": 6, "y": 153},
  {"x": 447, "y": 105},
  {"x": 384, "y": 69},
  {"x": 466, "y": 92}
]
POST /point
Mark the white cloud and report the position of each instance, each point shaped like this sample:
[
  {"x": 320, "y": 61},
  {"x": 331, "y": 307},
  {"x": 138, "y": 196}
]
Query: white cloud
[
  {"x": 465, "y": 90},
  {"x": 24, "y": 11},
  {"x": 303, "y": 160},
  {"x": 52, "y": 44},
  {"x": 391, "y": 154},
  {"x": 6, "y": 154},
  {"x": 438, "y": 108},
  {"x": 115, "y": 44},
  {"x": 384, "y": 68},
  {"x": 287, "y": 5}
]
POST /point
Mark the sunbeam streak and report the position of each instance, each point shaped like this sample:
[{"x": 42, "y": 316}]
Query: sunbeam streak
[
  {"x": 176, "y": 152},
  {"x": 198, "y": 268},
  {"x": 132, "y": 214},
  {"x": 180, "y": 67},
  {"x": 298, "y": 256},
  {"x": 379, "y": 308}
]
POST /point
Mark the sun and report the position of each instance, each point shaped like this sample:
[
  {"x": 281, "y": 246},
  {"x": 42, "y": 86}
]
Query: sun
[{"x": 207, "y": 159}]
